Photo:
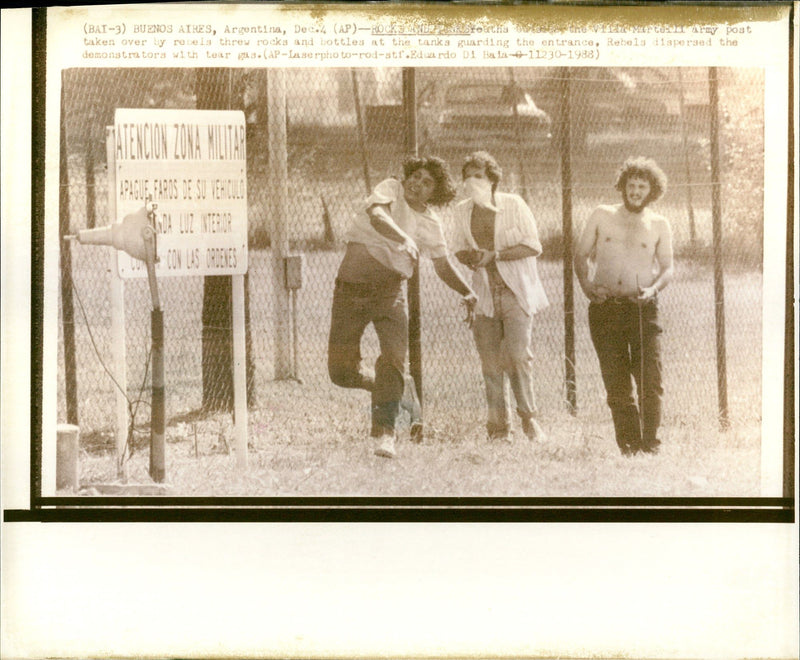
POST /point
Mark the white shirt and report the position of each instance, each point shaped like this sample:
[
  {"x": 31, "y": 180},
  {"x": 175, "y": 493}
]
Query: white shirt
[
  {"x": 424, "y": 227},
  {"x": 514, "y": 225}
]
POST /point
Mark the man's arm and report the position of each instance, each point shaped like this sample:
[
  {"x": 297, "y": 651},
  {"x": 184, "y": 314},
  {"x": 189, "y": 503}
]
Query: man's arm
[
  {"x": 512, "y": 253},
  {"x": 522, "y": 231},
  {"x": 529, "y": 244},
  {"x": 469, "y": 257},
  {"x": 450, "y": 276},
  {"x": 382, "y": 221},
  {"x": 584, "y": 247},
  {"x": 517, "y": 252},
  {"x": 664, "y": 258}
]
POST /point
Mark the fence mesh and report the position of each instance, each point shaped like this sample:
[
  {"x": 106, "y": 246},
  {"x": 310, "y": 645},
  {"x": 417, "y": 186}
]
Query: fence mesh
[{"x": 345, "y": 134}]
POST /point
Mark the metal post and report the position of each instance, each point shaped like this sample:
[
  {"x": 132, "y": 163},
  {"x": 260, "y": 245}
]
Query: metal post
[
  {"x": 279, "y": 202},
  {"x": 686, "y": 160},
  {"x": 67, "y": 308},
  {"x": 157, "y": 410},
  {"x": 117, "y": 303},
  {"x": 520, "y": 138},
  {"x": 362, "y": 145},
  {"x": 414, "y": 318},
  {"x": 158, "y": 396},
  {"x": 566, "y": 231},
  {"x": 789, "y": 357},
  {"x": 91, "y": 216},
  {"x": 716, "y": 225},
  {"x": 295, "y": 336},
  {"x": 239, "y": 370}
]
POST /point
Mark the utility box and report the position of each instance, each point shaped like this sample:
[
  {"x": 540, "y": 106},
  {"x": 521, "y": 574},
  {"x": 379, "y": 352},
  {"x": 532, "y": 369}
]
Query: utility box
[{"x": 294, "y": 271}]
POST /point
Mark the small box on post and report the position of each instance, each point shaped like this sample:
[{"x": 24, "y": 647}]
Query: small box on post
[{"x": 294, "y": 271}]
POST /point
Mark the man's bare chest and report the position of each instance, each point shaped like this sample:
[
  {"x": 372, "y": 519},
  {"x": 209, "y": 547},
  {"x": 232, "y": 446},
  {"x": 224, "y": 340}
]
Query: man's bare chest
[{"x": 632, "y": 238}]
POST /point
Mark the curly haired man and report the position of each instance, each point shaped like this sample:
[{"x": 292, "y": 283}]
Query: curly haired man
[
  {"x": 383, "y": 246},
  {"x": 629, "y": 248}
]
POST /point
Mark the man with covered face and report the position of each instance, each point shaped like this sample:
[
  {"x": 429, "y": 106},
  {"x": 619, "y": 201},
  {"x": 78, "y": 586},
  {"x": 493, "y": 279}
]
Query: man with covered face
[
  {"x": 496, "y": 237},
  {"x": 628, "y": 246}
]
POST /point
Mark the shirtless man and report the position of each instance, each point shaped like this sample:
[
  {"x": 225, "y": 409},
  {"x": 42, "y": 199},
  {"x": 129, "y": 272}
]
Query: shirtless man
[{"x": 629, "y": 248}]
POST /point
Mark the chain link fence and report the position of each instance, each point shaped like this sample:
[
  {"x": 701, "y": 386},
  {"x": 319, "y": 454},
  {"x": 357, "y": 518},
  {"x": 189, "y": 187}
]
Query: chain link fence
[{"x": 344, "y": 132}]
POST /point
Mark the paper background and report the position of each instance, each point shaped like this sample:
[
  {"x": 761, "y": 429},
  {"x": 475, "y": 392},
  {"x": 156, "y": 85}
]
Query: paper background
[{"x": 554, "y": 590}]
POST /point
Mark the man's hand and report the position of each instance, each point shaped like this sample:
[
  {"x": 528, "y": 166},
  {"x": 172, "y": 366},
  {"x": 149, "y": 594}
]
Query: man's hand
[
  {"x": 647, "y": 292},
  {"x": 470, "y": 301},
  {"x": 486, "y": 257},
  {"x": 596, "y": 294},
  {"x": 411, "y": 247}
]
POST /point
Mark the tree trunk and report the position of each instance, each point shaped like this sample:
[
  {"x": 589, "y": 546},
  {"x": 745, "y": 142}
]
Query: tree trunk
[{"x": 214, "y": 91}]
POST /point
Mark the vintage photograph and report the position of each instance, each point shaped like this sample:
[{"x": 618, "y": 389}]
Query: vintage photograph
[
  {"x": 465, "y": 281},
  {"x": 498, "y": 293}
]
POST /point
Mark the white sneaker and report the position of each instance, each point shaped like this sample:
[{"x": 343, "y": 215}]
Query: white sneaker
[{"x": 385, "y": 446}]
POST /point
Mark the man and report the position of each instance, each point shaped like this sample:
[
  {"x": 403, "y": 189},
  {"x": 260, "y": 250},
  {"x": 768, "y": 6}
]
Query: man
[
  {"x": 383, "y": 247},
  {"x": 497, "y": 238},
  {"x": 630, "y": 247}
]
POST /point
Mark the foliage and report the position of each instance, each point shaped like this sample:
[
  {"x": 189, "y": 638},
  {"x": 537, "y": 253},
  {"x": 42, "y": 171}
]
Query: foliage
[{"x": 742, "y": 164}]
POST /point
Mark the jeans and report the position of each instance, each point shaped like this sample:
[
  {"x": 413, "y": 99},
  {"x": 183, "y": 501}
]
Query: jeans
[
  {"x": 355, "y": 306},
  {"x": 614, "y": 327},
  {"x": 503, "y": 343}
]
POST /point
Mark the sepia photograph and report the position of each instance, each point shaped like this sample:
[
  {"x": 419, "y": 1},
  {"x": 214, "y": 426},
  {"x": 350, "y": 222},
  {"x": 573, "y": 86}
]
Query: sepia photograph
[
  {"x": 502, "y": 294},
  {"x": 499, "y": 281}
]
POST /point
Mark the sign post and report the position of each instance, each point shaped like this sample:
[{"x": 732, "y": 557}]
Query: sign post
[{"x": 118, "y": 349}]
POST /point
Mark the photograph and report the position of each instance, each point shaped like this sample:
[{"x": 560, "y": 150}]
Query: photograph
[
  {"x": 399, "y": 330},
  {"x": 471, "y": 272}
]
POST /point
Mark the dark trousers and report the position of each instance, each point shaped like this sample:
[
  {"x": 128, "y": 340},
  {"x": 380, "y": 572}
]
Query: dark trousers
[
  {"x": 355, "y": 306},
  {"x": 624, "y": 359}
]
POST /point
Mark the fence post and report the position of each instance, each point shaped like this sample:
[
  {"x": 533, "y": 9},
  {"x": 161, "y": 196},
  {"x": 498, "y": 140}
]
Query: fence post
[
  {"x": 117, "y": 304},
  {"x": 686, "y": 160},
  {"x": 566, "y": 232},
  {"x": 88, "y": 167},
  {"x": 519, "y": 138},
  {"x": 67, "y": 307},
  {"x": 362, "y": 145},
  {"x": 789, "y": 357},
  {"x": 414, "y": 320},
  {"x": 278, "y": 205},
  {"x": 716, "y": 225}
]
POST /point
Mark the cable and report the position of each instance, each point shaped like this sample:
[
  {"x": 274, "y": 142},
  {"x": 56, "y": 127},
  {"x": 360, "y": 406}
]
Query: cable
[{"x": 133, "y": 405}]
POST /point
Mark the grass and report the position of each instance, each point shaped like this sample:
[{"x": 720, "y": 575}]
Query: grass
[
  {"x": 332, "y": 457},
  {"x": 310, "y": 439}
]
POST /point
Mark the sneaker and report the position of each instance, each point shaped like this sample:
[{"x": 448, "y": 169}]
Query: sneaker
[
  {"x": 385, "y": 446},
  {"x": 533, "y": 430}
]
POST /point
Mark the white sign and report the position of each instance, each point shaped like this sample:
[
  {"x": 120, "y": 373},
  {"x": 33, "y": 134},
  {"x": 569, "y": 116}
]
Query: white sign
[{"x": 191, "y": 164}]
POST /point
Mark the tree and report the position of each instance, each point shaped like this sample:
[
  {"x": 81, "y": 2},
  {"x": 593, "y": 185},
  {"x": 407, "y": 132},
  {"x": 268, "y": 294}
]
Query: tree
[{"x": 215, "y": 90}]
